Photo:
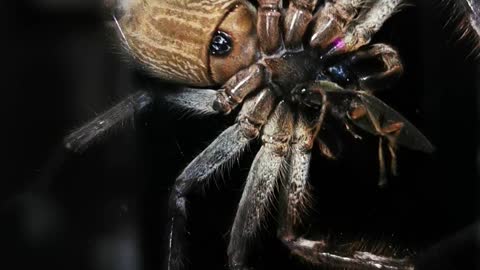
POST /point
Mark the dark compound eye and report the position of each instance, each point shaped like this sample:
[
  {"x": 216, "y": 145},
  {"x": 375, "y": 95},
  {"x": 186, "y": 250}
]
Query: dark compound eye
[{"x": 221, "y": 44}]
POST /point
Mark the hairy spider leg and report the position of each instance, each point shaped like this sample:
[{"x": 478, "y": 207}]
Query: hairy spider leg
[
  {"x": 219, "y": 154},
  {"x": 331, "y": 21},
  {"x": 295, "y": 199},
  {"x": 361, "y": 32},
  {"x": 267, "y": 167},
  {"x": 268, "y": 25},
  {"x": 297, "y": 18},
  {"x": 193, "y": 100},
  {"x": 234, "y": 91},
  {"x": 80, "y": 139}
]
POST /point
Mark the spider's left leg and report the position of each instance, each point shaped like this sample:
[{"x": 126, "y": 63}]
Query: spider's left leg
[
  {"x": 259, "y": 189},
  {"x": 226, "y": 148},
  {"x": 81, "y": 138},
  {"x": 192, "y": 100},
  {"x": 293, "y": 203}
]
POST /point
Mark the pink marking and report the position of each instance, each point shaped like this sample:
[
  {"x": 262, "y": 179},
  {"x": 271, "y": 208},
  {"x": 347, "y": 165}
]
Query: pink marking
[{"x": 338, "y": 44}]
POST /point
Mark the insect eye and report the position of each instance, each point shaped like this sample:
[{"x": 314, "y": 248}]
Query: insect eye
[
  {"x": 221, "y": 44},
  {"x": 340, "y": 74}
]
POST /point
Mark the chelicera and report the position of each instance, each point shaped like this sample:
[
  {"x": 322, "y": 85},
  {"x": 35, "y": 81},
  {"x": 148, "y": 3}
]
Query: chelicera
[{"x": 285, "y": 73}]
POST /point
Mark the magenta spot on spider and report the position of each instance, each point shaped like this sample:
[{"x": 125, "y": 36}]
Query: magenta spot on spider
[{"x": 338, "y": 43}]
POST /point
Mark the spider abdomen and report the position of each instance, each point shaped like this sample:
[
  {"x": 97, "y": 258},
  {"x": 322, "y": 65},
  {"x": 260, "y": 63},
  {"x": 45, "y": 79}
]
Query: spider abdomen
[{"x": 192, "y": 42}]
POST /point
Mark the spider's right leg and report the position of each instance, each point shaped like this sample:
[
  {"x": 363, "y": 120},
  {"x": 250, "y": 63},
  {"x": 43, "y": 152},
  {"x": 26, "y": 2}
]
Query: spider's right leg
[
  {"x": 226, "y": 147},
  {"x": 81, "y": 138},
  {"x": 362, "y": 32},
  {"x": 259, "y": 189},
  {"x": 331, "y": 21}
]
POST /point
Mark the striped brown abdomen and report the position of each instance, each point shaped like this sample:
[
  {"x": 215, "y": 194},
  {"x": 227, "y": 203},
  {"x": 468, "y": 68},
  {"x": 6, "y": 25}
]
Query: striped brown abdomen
[{"x": 171, "y": 37}]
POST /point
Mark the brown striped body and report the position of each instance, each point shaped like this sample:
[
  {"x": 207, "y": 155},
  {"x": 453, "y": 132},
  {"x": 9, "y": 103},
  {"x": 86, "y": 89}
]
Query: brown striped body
[{"x": 171, "y": 38}]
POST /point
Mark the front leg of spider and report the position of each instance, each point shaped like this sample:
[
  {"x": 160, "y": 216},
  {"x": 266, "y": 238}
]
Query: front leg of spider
[
  {"x": 261, "y": 181},
  {"x": 332, "y": 20},
  {"x": 361, "y": 32}
]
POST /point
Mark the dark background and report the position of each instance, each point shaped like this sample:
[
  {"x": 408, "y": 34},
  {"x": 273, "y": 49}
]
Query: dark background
[{"x": 106, "y": 208}]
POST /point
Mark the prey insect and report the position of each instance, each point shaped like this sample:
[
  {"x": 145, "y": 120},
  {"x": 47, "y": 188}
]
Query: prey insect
[{"x": 284, "y": 81}]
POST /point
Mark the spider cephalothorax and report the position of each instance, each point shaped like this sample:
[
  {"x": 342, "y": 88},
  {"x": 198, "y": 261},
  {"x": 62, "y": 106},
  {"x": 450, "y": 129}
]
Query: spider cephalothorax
[{"x": 285, "y": 89}]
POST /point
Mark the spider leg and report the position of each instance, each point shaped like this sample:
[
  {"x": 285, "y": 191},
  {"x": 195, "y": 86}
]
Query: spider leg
[
  {"x": 193, "y": 100},
  {"x": 332, "y": 20},
  {"x": 390, "y": 68},
  {"x": 362, "y": 32},
  {"x": 297, "y": 18},
  {"x": 234, "y": 91},
  {"x": 225, "y": 148},
  {"x": 268, "y": 28},
  {"x": 294, "y": 201},
  {"x": 81, "y": 138},
  {"x": 260, "y": 186},
  {"x": 295, "y": 198}
]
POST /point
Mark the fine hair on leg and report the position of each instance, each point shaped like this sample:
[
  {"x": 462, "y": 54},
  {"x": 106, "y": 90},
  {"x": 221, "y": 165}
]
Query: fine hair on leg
[
  {"x": 220, "y": 153},
  {"x": 80, "y": 139},
  {"x": 259, "y": 190},
  {"x": 193, "y": 101}
]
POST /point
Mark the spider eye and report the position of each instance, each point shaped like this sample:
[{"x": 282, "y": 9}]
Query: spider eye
[{"x": 221, "y": 44}]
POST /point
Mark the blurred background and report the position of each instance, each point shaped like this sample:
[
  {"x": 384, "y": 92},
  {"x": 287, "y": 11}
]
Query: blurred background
[{"x": 106, "y": 208}]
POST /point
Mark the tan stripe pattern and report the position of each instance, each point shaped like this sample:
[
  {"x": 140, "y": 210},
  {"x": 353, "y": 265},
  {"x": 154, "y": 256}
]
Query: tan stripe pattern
[{"x": 171, "y": 37}]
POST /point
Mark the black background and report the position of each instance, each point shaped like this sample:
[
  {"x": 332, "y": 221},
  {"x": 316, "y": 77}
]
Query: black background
[{"x": 106, "y": 208}]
